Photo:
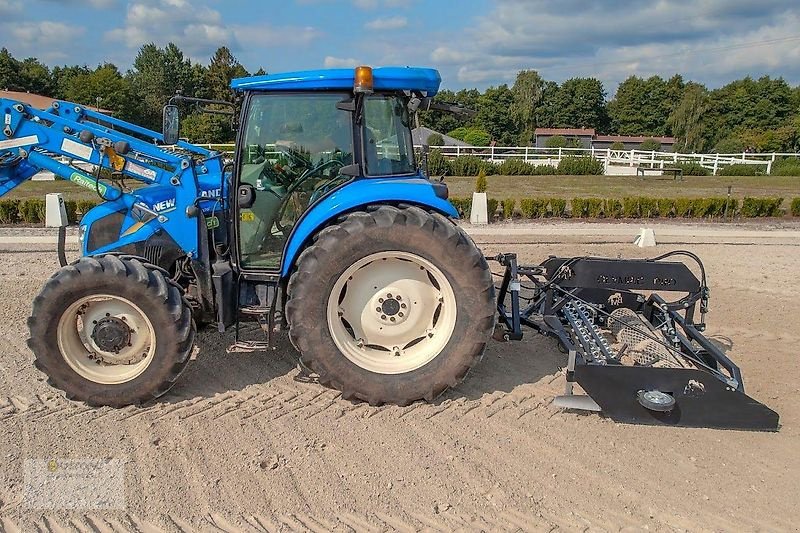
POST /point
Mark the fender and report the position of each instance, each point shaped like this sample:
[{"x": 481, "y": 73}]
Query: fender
[{"x": 361, "y": 192}]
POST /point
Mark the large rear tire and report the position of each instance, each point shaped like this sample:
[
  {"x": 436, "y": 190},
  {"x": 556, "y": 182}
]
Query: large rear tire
[
  {"x": 391, "y": 305},
  {"x": 111, "y": 331}
]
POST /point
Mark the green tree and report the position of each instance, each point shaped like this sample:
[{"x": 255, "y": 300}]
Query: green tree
[
  {"x": 63, "y": 75},
  {"x": 494, "y": 114},
  {"x": 580, "y": 103},
  {"x": 556, "y": 141},
  {"x": 221, "y": 70},
  {"x": 105, "y": 87},
  {"x": 528, "y": 90},
  {"x": 9, "y": 72},
  {"x": 761, "y": 104},
  {"x": 35, "y": 77},
  {"x": 156, "y": 75},
  {"x": 650, "y": 144},
  {"x": 442, "y": 121},
  {"x": 435, "y": 139},
  {"x": 688, "y": 119},
  {"x": 206, "y": 128},
  {"x": 643, "y": 106}
]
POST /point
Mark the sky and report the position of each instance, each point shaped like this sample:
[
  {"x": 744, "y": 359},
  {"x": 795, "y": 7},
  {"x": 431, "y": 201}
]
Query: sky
[{"x": 474, "y": 43}]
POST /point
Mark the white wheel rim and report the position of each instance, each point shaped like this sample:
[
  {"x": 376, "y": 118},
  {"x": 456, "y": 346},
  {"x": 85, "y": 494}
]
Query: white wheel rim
[
  {"x": 391, "y": 312},
  {"x": 84, "y": 356}
]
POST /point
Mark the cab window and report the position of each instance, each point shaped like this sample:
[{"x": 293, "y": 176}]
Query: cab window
[
  {"x": 388, "y": 148},
  {"x": 291, "y": 152}
]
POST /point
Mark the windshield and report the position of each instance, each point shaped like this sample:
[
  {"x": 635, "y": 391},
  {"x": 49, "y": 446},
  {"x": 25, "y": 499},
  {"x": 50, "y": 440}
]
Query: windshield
[{"x": 387, "y": 138}]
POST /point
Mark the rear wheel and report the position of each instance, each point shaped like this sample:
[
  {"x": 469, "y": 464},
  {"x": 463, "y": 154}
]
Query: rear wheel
[
  {"x": 391, "y": 305},
  {"x": 111, "y": 331}
]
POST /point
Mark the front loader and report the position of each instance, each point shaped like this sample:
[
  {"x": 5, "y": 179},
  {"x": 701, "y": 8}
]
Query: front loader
[{"x": 324, "y": 225}]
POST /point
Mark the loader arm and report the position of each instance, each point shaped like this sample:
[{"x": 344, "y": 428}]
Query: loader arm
[{"x": 75, "y": 143}]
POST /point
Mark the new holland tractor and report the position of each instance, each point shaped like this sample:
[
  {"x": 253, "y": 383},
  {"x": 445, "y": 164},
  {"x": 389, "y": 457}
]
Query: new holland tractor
[{"x": 325, "y": 225}]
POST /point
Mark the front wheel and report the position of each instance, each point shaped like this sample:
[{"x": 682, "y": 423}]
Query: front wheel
[
  {"x": 111, "y": 331},
  {"x": 391, "y": 305}
]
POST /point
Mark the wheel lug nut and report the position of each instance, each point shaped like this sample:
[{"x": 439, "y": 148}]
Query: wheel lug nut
[
  {"x": 401, "y": 314},
  {"x": 389, "y": 295},
  {"x": 398, "y": 298},
  {"x": 383, "y": 317},
  {"x": 402, "y": 306},
  {"x": 380, "y": 300},
  {"x": 378, "y": 309},
  {"x": 393, "y": 319}
]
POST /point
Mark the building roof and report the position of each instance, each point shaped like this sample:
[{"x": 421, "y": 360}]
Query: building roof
[
  {"x": 40, "y": 102},
  {"x": 421, "y": 134},
  {"x": 385, "y": 79},
  {"x": 633, "y": 138},
  {"x": 587, "y": 132}
]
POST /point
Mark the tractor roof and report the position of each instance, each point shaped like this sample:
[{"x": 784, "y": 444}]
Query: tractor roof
[{"x": 385, "y": 79}]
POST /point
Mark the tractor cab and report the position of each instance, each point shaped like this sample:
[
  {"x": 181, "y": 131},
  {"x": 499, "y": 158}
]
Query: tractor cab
[{"x": 304, "y": 135}]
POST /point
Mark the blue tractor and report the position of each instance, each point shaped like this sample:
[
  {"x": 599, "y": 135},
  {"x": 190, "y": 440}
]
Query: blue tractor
[{"x": 323, "y": 224}]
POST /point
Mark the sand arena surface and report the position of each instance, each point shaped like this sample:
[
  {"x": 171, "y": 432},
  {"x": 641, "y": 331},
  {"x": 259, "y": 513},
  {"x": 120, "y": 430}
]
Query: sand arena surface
[{"x": 240, "y": 444}]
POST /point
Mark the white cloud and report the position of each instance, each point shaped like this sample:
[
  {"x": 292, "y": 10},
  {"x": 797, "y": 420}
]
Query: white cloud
[
  {"x": 44, "y": 39},
  {"x": 7, "y": 7},
  {"x": 199, "y": 30},
  {"x": 711, "y": 41},
  {"x": 338, "y": 62},
  {"x": 262, "y": 35},
  {"x": 387, "y": 23}
]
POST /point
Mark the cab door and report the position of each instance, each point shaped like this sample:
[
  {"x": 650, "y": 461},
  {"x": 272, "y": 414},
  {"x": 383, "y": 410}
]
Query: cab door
[{"x": 291, "y": 150}]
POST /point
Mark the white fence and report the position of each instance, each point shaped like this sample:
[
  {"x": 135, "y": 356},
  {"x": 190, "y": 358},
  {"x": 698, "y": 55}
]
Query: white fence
[{"x": 631, "y": 159}]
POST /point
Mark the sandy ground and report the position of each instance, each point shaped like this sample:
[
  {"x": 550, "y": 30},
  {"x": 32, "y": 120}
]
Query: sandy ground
[{"x": 242, "y": 443}]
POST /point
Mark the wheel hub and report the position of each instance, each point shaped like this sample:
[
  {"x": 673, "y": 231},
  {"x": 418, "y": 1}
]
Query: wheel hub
[
  {"x": 390, "y": 307},
  {"x": 111, "y": 334}
]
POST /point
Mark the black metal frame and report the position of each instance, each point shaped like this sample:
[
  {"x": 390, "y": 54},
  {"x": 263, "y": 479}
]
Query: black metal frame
[{"x": 709, "y": 392}]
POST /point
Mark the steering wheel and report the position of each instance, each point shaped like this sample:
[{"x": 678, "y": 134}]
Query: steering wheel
[
  {"x": 296, "y": 185},
  {"x": 295, "y": 156}
]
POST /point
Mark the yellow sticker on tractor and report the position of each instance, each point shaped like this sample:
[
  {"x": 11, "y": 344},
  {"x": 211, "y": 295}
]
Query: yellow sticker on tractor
[{"x": 248, "y": 216}]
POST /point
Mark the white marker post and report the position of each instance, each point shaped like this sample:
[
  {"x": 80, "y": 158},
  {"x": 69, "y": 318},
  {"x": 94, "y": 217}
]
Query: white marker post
[{"x": 479, "y": 214}]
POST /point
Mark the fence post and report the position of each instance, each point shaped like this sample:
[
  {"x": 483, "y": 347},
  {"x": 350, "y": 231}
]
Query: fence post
[
  {"x": 492, "y": 154},
  {"x": 632, "y": 156},
  {"x": 716, "y": 165},
  {"x": 526, "y": 153},
  {"x": 559, "y": 154},
  {"x": 769, "y": 167}
]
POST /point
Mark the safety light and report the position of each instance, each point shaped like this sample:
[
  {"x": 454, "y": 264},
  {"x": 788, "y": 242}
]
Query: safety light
[{"x": 363, "y": 80}]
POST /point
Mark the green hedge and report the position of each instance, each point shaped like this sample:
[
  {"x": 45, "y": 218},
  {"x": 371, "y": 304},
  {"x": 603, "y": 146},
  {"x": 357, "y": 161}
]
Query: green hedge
[
  {"x": 794, "y": 209},
  {"x": 739, "y": 170},
  {"x": 580, "y": 166},
  {"x": 9, "y": 211},
  {"x": 693, "y": 169},
  {"x": 786, "y": 167},
  {"x": 649, "y": 207},
  {"x": 32, "y": 210},
  {"x": 761, "y": 207}
]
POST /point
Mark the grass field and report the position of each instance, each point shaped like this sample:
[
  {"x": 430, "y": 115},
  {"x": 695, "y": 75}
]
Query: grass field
[
  {"x": 619, "y": 186},
  {"x": 37, "y": 189},
  {"x": 553, "y": 186}
]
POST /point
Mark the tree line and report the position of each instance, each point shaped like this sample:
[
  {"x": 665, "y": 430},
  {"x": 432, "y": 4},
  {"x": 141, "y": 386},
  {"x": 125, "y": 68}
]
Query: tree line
[
  {"x": 138, "y": 94},
  {"x": 748, "y": 114}
]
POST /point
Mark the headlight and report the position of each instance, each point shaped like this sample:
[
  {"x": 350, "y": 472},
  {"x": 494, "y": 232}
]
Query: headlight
[{"x": 81, "y": 233}]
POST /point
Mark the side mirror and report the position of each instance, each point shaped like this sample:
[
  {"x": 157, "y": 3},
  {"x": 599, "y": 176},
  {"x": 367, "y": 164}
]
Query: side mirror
[
  {"x": 246, "y": 196},
  {"x": 171, "y": 125}
]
